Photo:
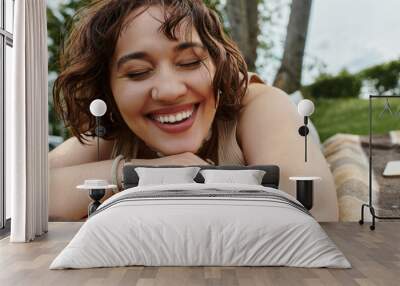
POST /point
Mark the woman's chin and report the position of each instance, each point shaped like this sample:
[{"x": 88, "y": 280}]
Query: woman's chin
[
  {"x": 178, "y": 151},
  {"x": 172, "y": 145}
]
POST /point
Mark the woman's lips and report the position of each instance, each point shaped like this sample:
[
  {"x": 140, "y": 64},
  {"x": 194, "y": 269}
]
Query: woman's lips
[
  {"x": 177, "y": 127},
  {"x": 172, "y": 110}
]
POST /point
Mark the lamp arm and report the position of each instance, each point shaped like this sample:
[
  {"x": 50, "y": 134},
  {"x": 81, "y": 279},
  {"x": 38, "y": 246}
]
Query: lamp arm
[
  {"x": 305, "y": 147},
  {"x": 303, "y": 131},
  {"x": 98, "y": 135}
]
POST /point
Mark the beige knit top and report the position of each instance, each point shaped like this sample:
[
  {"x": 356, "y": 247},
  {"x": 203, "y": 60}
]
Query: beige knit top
[{"x": 229, "y": 152}]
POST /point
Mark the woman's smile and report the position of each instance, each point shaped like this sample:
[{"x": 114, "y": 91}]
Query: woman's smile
[{"x": 174, "y": 119}]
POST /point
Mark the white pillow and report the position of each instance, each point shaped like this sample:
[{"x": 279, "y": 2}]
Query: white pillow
[
  {"x": 162, "y": 176},
  {"x": 248, "y": 177}
]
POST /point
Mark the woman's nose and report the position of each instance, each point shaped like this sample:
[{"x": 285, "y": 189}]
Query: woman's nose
[{"x": 168, "y": 86}]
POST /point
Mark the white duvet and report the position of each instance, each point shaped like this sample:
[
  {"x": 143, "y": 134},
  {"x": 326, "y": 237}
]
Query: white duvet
[{"x": 206, "y": 230}]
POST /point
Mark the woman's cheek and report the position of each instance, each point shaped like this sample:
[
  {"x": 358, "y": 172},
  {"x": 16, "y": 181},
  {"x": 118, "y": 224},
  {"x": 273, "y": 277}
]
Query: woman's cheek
[{"x": 130, "y": 100}]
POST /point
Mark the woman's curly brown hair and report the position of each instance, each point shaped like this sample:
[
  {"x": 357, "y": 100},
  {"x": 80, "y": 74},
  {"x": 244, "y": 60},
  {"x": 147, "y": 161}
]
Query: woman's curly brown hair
[{"x": 89, "y": 47}]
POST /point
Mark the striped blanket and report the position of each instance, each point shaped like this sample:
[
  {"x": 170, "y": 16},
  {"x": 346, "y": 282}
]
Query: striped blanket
[{"x": 347, "y": 155}]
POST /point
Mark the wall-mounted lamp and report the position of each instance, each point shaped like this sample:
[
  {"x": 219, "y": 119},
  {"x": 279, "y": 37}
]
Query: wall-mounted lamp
[
  {"x": 98, "y": 108},
  {"x": 305, "y": 108},
  {"x": 97, "y": 188}
]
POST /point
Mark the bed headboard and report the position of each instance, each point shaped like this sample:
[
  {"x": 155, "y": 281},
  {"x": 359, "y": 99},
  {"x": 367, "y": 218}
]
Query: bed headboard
[{"x": 130, "y": 178}]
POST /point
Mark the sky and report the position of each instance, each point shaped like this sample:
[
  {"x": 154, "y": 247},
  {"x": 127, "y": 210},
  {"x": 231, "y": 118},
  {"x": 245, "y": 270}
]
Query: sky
[
  {"x": 353, "y": 34},
  {"x": 342, "y": 34},
  {"x": 350, "y": 34}
]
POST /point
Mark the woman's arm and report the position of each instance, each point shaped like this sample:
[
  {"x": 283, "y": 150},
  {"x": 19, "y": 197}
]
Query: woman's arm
[
  {"x": 69, "y": 165},
  {"x": 68, "y": 203},
  {"x": 72, "y": 152},
  {"x": 268, "y": 134}
]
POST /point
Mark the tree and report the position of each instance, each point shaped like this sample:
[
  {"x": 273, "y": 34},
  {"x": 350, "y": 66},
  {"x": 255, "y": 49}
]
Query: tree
[
  {"x": 58, "y": 23},
  {"x": 244, "y": 27},
  {"x": 288, "y": 77}
]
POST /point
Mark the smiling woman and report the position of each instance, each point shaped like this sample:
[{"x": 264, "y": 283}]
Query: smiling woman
[
  {"x": 163, "y": 92},
  {"x": 178, "y": 93}
]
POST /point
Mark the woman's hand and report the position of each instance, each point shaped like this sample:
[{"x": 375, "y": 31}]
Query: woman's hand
[{"x": 187, "y": 158}]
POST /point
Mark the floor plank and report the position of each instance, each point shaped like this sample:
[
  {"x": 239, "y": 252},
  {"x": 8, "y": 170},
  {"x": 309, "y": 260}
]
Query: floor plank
[{"x": 374, "y": 255}]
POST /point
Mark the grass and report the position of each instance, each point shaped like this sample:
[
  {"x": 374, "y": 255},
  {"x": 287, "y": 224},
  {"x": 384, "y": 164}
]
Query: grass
[{"x": 350, "y": 115}]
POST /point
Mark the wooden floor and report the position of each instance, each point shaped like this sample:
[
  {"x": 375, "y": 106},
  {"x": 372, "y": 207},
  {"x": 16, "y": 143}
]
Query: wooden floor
[{"x": 374, "y": 255}]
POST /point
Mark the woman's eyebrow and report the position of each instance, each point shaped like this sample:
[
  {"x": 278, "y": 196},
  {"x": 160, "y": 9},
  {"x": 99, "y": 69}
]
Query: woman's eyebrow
[
  {"x": 144, "y": 55},
  {"x": 131, "y": 56},
  {"x": 187, "y": 45}
]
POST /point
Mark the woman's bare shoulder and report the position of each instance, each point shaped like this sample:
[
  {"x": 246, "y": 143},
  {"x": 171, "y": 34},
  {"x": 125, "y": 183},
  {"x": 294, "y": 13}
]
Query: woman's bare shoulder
[
  {"x": 72, "y": 152},
  {"x": 264, "y": 104},
  {"x": 263, "y": 91}
]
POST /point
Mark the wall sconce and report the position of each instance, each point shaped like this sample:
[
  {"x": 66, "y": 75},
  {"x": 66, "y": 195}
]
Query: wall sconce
[
  {"x": 98, "y": 108},
  {"x": 97, "y": 188},
  {"x": 305, "y": 108}
]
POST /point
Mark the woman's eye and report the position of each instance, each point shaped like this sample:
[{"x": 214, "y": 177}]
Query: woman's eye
[
  {"x": 136, "y": 74},
  {"x": 190, "y": 64}
]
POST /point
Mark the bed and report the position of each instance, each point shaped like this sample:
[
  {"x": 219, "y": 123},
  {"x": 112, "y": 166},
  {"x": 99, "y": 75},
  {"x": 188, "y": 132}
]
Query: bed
[{"x": 204, "y": 222}]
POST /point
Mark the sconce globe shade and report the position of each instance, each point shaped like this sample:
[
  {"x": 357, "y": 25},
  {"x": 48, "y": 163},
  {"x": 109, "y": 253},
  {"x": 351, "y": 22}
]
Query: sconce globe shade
[
  {"x": 305, "y": 107},
  {"x": 98, "y": 107}
]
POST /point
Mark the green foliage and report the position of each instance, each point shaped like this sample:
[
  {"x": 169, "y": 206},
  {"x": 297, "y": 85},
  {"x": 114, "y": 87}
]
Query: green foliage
[
  {"x": 58, "y": 25},
  {"x": 350, "y": 115},
  {"x": 213, "y": 4},
  {"x": 385, "y": 77},
  {"x": 342, "y": 85}
]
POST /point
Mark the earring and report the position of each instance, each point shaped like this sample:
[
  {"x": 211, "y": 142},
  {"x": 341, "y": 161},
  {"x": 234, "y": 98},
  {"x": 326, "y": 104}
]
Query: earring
[
  {"x": 111, "y": 117},
  {"x": 218, "y": 97},
  {"x": 209, "y": 134}
]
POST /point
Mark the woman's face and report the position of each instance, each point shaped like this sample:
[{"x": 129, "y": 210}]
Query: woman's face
[{"x": 161, "y": 87}]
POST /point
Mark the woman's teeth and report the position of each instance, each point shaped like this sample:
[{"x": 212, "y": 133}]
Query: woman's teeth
[{"x": 172, "y": 118}]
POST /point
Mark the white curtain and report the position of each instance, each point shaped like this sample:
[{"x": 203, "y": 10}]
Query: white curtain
[{"x": 27, "y": 124}]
